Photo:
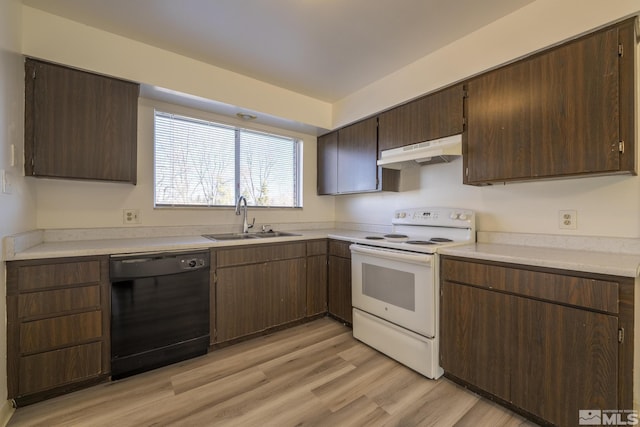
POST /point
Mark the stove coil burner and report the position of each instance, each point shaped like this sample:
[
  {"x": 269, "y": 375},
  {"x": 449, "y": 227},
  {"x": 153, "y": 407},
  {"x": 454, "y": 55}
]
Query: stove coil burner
[
  {"x": 440, "y": 240},
  {"x": 396, "y": 237},
  {"x": 374, "y": 238}
]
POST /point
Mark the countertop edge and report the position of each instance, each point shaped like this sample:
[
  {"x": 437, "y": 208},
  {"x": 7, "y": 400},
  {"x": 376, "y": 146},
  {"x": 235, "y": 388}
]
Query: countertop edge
[{"x": 614, "y": 264}]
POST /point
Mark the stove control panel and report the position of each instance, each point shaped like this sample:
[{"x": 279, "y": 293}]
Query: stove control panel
[{"x": 437, "y": 217}]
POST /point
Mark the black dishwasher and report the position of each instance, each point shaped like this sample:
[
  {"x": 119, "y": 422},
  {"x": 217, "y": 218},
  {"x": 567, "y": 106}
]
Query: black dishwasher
[{"x": 159, "y": 310}]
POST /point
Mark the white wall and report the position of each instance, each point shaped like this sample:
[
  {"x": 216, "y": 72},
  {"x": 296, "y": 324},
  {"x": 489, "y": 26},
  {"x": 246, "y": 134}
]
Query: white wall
[
  {"x": 77, "y": 204},
  {"x": 606, "y": 206},
  {"x": 61, "y": 40},
  {"x": 17, "y": 210}
]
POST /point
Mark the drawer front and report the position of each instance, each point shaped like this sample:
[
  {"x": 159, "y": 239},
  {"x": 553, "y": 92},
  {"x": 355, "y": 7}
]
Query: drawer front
[
  {"x": 339, "y": 248},
  {"x": 55, "y": 368},
  {"x": 579, "y": 291},
  {"x": 260, "y": 253},
  {"x": 58, "y": 301},
  {"x": 46, "y": 334},
  {"x": 317, "y": 247},
  {"x": 48, "y": 276}
]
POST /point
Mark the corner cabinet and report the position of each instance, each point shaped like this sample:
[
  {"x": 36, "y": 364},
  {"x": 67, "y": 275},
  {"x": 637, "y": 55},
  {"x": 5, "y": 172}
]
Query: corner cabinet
[
  {"x": 547, "y": 342},
  {"x": 566, "y": 111},
  {"x": 431, "y": 117},
  {"x": 347, "y": 161},
  {"x": 79, "y": 125},
  {"x": 57, "y": 326}
]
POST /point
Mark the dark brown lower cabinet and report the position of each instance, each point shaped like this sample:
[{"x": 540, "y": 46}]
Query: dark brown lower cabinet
[
  {"x": 57, "y": 326},
  {"x": 532, "y": 338},
  {"x": 254, "y": 296},
  {"x": 316, "y": 277},
  {"x": 339, "y": 281}
]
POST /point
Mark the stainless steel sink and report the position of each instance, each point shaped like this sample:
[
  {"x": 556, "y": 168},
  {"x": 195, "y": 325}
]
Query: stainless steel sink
[
  {"x": 230, "y": 236},
  {"x": 263, "y": 234},
  {"x": 244, "y": 236}
]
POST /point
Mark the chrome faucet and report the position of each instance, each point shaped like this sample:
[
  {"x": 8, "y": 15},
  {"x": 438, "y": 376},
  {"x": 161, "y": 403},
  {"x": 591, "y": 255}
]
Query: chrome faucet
[{"x": 245, "y": 225}]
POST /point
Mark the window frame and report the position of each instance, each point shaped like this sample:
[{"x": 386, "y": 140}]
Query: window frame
[{"x": 298, "y": 159}]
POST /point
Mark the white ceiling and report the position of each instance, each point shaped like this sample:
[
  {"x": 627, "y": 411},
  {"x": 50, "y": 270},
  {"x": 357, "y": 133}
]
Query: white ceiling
[{"x": 326, "y": 49}]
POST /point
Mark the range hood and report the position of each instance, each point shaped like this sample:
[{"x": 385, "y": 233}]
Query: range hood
[{"x": 423, "y": 153}]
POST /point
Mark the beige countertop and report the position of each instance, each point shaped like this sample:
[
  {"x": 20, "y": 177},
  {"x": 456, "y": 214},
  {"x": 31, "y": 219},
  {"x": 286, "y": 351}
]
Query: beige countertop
[
  {"x": 73, "y": 248},
  {"x": 613, "y": 256},
  {"x": 616, "y": 264}
]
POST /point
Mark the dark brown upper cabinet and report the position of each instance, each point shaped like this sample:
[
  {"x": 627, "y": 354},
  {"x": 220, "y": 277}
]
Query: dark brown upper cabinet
[
  {"x": 347, "y": 161},
  {"x": 79, "y": 125},
  {"x": 431, "y": 117},
  {"x": 357, "y": 156},
  {"x": 567, "y": 111},
  {"x": 328, "y": 164}
]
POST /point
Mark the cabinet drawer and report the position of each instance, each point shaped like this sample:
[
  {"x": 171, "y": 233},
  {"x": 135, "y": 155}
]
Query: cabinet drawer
[
  {"x": 260, "y": 253},
  {"x": 578, "y": 291},
  {"x": 58, "y": 301},
  {"x": 46, "y": 334},
  {"x": 339, "y": 248},
  {"x": 317, "y": 247},
  {"x": 37, "y": 277},
  {"x": 54, "y": 368}
]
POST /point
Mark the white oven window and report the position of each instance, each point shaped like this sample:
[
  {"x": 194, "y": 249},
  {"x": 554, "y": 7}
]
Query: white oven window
[{"x": 388, "y": 285}]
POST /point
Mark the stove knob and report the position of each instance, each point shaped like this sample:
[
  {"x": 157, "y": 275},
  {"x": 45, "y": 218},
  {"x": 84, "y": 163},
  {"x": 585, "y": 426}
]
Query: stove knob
[
  {"x": 453, "y": 215},
  {"x": 403, "y": 215},
  {"x": 462, "y": 217}
]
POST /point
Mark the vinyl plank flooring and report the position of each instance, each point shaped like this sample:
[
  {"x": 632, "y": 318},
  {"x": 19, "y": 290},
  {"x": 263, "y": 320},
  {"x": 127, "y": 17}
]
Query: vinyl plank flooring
[
  {"x": 315, "y": 374},
  {"x": 489, "y": 414}
]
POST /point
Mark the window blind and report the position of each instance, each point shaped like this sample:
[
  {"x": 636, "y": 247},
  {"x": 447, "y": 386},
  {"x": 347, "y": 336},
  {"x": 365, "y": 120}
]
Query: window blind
[{"x": 201, "y": 163}]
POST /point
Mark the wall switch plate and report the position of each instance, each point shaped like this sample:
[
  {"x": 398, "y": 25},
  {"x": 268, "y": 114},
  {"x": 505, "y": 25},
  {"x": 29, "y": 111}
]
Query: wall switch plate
[
  {"x": 568, "y": 219},
  {"x": 7, "y": 182},
  {"x": 12, "y": 155},
  {"x": 131, "y": 216}
]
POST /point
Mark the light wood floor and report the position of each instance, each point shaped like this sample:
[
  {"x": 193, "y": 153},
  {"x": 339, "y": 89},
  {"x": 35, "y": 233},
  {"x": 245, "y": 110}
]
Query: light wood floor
[{"x": 315, "y": 374}]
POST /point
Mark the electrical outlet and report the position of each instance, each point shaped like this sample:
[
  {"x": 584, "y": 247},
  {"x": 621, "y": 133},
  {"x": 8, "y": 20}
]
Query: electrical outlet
[
  {"x": 131, "y": 216},
  {"x": 568, "y": 219}
]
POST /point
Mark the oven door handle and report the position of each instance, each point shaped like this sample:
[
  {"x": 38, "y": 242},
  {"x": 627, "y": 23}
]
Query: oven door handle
[{"x": 404, "y": 256}]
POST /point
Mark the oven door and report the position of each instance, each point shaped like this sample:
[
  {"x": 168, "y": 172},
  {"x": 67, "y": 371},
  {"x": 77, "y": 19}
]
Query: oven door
[{"x": 397, "y": 286}]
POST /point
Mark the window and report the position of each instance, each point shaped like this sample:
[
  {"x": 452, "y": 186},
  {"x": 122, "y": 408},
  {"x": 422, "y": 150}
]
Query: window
[{"x": 201, "y": 163}]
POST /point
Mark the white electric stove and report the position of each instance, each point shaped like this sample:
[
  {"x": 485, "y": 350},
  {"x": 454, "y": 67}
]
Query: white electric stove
[{"x": 395, "y": 283}]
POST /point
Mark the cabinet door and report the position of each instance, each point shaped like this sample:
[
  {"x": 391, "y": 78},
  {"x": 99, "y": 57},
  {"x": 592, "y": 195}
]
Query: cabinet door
[
  {"x": 252, "y": 298},
  {"x": 328, "y": 164},
  {"x": 498, "y": 137},
  {"x": 475, "y": 327},
  {"x": 286, "y": 291},
  {"x": 316, "y": 284},
  {"x": 79, "y": 125},
  {"x": 339, "y": 288},
  {"x": 564, "y": 359},
  {"x": 430, "y": 117},
  {"x": 554, "y": 114},
  {"x": 357, "y": 156},
  {"x": 240, "y": 301},
  {"x": 574, "y": 107}
]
